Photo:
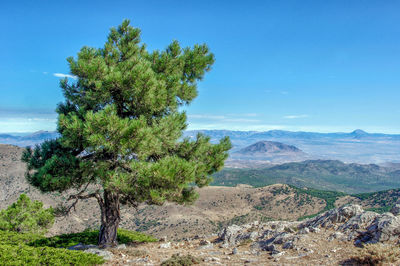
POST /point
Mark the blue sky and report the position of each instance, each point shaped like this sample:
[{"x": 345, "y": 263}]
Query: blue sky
[{"x": 322, "y": 66}]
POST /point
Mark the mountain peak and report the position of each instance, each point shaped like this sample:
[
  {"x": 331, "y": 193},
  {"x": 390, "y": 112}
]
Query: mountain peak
[
  {"x": 359, "y": 132},
  {"x": 269, "y": 147}
]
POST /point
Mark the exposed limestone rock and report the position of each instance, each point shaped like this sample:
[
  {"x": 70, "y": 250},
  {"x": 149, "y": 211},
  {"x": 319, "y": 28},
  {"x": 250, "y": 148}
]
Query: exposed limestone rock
[
  {"x": 165, "y": 245},
  {"x": 395, "y": 210},
  {"x": 384, "y": 227},
  {"x": 229, "y": 235},
  {"x": 329, "y": 218}
]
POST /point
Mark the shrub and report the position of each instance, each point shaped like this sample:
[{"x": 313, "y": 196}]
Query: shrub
[
  {"x": 377, "y": 254},
  {"x": 91, "y": 238},
  {"x": 26, "y": 216},
  {"x": 26, "y": 255},
  {"x": 14, "y": 238},
  {"x": 177, "y": 260}
]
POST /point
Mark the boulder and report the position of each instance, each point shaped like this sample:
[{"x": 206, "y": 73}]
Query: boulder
[
  {"x": 384, "y": 227},
  {"x": 330, "y": 218},
  {"x": 395, "y": 210},
  {"x": 229, "y": 235}
]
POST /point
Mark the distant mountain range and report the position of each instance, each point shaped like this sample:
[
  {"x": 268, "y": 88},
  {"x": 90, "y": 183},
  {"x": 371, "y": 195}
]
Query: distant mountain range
[
  {"x": 357, "y": 146},
  {"x": 28, "y": 139}
]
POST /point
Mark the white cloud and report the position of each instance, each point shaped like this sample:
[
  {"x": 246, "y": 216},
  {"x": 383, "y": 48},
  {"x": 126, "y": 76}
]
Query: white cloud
[
  {"x": 295, "y": 116},
  {"x": 61, "y": 75},
  {"x": 199, "y": 116},
  {"x": 243, "y": 120}
]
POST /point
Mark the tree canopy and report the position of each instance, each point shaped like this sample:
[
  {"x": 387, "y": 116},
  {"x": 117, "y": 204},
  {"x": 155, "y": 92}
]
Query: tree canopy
[
  {"x": 25, "y": 216},
  {"x": 121, "y": 128}
]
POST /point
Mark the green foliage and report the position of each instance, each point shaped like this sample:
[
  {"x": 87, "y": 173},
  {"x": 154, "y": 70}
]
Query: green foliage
[
  {"x": 12, "y": 238},
  {"x": 382, "y": 201},
  {"x": 16, "y": 249},
  {"x": 177, "y": 260},
  {"x": 329, "y": 196},
  {"x": 26, "y": 255},
  {"x": 26, "y": 216},
  {"x": 90, "y": 238},
  {"x": 121, "y": 124}
]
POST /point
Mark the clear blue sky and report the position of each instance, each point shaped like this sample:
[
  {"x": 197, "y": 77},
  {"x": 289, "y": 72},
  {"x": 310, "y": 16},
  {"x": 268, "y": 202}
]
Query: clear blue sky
[{"x": 294, "y": 65}]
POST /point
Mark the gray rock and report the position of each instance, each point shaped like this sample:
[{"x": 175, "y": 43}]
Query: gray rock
[
  {"x": 234, "y": 251},
  {"x": 165, "y": 245},
  {"x": 107, "y": 255},
  {"x": 204, "y": 242},
  {"x": 283, "y": 237},
  {"x": 81, "y": 246},
  {"x": 357, "y": 223},
  {"x": 288, "y": 245},
  {"x": 384, "y": 227},
  {"x": 229, "y": 235},
  {"x": 329, "y": 218},
  {"x": 304, "y": 231},
  {"x": 395, "y": 210},
  {"x": 122, "y": 246},
  {"x": 337, "y": 235}
]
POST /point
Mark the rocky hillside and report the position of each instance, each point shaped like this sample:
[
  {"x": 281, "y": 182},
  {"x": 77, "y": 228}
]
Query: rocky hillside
[
  {"x": 347, "y": 235},
  {"x": 320, "y": 174},
  {"x": 216, "y": 207}
]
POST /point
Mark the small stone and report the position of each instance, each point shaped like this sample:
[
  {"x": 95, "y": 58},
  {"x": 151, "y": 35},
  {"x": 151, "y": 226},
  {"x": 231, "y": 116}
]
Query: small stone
[
  {"x": 304, "y": 231},
  {"x": 314, "y": 229},
  {"x": 122, "y": 246},
  {"x": 166, "y": 245},
  {"x": 204, "y": 242},
  {"x": 288, "y": 245},
  {"x": 234, "y": 251},
  {"x": 107, "y": 255},
  {"x": 81, "y": 246}
]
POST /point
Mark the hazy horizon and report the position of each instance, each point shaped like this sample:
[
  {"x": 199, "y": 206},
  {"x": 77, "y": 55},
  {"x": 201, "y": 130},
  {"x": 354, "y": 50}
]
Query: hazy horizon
[{"x": 311, "y": 66}]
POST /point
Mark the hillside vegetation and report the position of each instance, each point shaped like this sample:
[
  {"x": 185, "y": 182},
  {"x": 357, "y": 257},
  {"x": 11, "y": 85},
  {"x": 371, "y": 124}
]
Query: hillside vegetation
[{"x": 330, "y": 175}]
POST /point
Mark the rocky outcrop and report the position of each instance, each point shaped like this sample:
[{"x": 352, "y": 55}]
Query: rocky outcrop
[{"x": 349, "y": 223}]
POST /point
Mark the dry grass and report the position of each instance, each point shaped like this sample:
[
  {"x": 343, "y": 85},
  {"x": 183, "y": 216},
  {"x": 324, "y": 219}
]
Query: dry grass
[
  {"x": 377, "y": 254},
  {"x": 177, "y": 260}
]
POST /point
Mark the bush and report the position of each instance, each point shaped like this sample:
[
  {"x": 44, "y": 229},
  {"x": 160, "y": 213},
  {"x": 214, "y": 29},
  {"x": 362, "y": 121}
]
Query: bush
[
  {"x": 25, "y": 216},
  {"x": 90, "y": 238},
  {"x": 377, "y": 254},
  {"x": 14, "y": 238},
  {"x": 177, "y": 260},
  {"x": 26, "y": 255}
]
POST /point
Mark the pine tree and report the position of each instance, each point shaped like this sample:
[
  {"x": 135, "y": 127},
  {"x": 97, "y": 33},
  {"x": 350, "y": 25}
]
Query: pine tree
[{"x": 121, "y": 129}]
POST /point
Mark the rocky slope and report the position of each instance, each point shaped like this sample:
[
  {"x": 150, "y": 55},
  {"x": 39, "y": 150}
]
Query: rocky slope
[
  {"x": 216, "y": 206},
  {"x": 331, "y": 238}
]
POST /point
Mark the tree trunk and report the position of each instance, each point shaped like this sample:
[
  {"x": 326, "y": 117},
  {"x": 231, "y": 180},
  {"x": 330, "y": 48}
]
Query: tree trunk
[{"x": 110, "y": 218}]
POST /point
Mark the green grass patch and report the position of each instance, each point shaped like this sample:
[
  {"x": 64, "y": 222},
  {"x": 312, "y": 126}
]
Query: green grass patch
[
  {"x": 25, "y": 255},
  {"x": 91, "y": 238},
  {"x": 32, "y": 249},
  {"x": 14, "y": 238}
]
